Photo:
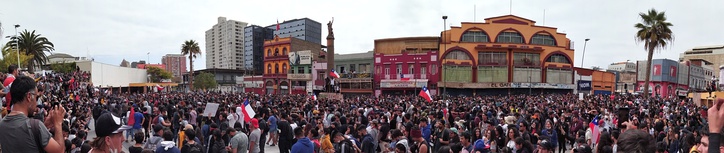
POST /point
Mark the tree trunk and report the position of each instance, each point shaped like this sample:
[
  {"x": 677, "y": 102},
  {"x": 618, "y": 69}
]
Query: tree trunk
[
  {"x": 648, "y": 72},
  {"x": 191, "y": 73}
]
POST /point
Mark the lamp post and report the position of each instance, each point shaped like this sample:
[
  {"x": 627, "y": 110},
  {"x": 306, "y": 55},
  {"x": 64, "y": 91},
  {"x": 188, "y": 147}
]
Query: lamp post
[
  {"x": 584, "y": 51},
  {"x": 444, "y": 29}
]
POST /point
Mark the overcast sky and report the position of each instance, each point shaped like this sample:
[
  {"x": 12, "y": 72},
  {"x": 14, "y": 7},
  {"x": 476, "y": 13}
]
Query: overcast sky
[{"x": 110, "y": 31}]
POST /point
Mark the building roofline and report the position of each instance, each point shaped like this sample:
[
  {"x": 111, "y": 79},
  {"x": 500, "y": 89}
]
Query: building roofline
[
  {"x": 708, "y": 47},
  {"x": 408, "y": 38}
]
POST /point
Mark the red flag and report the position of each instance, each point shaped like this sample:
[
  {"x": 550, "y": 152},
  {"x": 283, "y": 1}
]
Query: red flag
[
  {"x": 277, "y": 24},
  {"x": 131, "y": 118}
]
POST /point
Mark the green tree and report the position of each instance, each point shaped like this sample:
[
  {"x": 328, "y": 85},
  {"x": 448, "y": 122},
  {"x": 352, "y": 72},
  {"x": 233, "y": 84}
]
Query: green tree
[
  {"x": 63, "y": 67},
  {"x": 34, "y": 45},
  {"x": 654, "y": 31},
  {"x": 191, "y": 48},
  {"x": 10, "y": 57},
  {"x": 205, "y": 81},
  {"x": 158, "y": 74}
]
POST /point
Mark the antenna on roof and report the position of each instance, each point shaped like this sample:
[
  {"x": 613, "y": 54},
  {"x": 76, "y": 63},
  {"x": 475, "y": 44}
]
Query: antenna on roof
[
  {"x": 475, "y": 13},
  {"x": 544, "y": 16},
  {"x": 511, "y": 7}
]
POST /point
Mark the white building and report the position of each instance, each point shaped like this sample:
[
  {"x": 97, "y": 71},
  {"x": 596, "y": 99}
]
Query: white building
[
  {"x": 225, "y": 44},
  {"x": 107, "y": 75},
  {"x": 622, "y": 67}
]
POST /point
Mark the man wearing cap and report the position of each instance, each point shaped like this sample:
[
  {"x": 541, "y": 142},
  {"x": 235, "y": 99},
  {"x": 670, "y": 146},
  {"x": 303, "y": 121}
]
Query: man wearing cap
[
  {"x": 18, "y": 125},
  {"x": 109, "y": 134},
  {"x": 254, "y": 136}
]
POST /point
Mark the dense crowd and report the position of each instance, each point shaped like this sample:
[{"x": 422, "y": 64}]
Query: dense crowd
[{"x": 168, "y": 121}]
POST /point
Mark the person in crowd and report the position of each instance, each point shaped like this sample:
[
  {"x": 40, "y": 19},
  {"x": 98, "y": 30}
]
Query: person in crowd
[
  {"x": 286, "y": 135},
  {"x": 304, "y": 144},
  {"x": 156, "y": 139},
  {"x": 273, "y": 129},
  {"x": 711, "y": 135},
  {"x": 168, "y": 145},
  {"x": 109, "y": 134},
  {"x": 254, "y": 136},
  {"x": 635, "y": 140},
  {"x": 191, "y": 145},
  {"x": 138, "y": 146},
  {"x": 240, "y": 142},
  {"x": 422, "y": 145}
]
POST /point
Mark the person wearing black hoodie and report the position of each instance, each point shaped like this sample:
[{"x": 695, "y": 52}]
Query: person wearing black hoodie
[
  {"x": 285, "y": 137},
  {"x": 368, "y": 145},
  {"x": 303, "y": 145}
]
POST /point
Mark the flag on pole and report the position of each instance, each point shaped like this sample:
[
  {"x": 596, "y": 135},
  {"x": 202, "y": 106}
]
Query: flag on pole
[
  {"x": 595, "y": 131},
  {"x": 334, "y": 74},
  {"x": 403, "y": 78},
  {"x": 424, "y": 93},
  {"x": 248, "y": 111},
  {"x": 277, "y": 24}
]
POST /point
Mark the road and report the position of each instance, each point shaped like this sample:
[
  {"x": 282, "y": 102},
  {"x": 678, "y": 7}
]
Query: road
[{"x": 126, "y": 145}]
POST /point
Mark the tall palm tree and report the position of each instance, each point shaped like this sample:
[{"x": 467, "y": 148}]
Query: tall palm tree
[
  {"x": 191, "y": 49},
  {"x": 654, "y": 31},
  {"x": 34, "y": 45}
]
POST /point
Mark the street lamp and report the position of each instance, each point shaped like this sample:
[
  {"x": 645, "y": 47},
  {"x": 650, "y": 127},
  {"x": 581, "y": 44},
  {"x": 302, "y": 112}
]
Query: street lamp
[
  {"x": 444, "y": 29},
  {"x": 584, "y": 51},
  {"x": 17, "y": 43}
]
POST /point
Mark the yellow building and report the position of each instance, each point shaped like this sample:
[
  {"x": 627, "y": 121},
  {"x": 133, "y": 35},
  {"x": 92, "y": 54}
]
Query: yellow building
[
  {"x": 276, "y": 62},
  {"x": 505, "y": 52}
]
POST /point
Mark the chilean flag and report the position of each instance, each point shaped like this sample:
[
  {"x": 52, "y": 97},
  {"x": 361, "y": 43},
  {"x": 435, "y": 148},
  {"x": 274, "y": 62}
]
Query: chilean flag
[
  {"x": 403, "y": 78},
  {"x": 248, "y": 111},
  {"x": 159, "y": 87},
  {"x": 595, "y": 131},
  {"x": 314, "y": 97},
  {"x": 277, "y": 24},
  {"x": 424, "y": 93},
  {"x": 334, "y": 74}
]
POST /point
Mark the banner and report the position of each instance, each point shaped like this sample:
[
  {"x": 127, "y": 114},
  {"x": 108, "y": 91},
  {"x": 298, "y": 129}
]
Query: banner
[
  {"x": 657, "y": 69},
  {"x": 584, "y": 85},
  {"x": 211, "y": 109},
  {"x": 300, "y": 58}
]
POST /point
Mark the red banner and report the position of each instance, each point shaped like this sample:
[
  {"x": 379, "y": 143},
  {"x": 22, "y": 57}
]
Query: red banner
[{"x": 657, "y": 69}]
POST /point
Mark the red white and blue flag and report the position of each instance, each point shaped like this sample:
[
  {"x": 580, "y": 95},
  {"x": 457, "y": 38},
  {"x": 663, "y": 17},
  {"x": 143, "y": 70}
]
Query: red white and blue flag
[
  {"x": 403, "y": 78},
  {"x": 595, "y": 131},
  {"x": 159, "y": 87},
  {"x": 314, "y": 97},
  {"x": 334, "y": 74},
  {"x": 248, "y": 111},
  {"x": 424, "y": 93}
]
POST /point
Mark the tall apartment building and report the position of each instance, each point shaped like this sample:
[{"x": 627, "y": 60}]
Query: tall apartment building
[
  {"x": 304, "y": 29},
  {"x": 225, "y": 44},
  {"x": 712, "y": 54},
  {"x": 254, "y": 37},
  {"x": 175, "y": 63}
]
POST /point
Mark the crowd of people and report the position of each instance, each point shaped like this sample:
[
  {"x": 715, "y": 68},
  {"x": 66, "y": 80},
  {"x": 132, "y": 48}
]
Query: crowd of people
[{"x": 52, "y": 112}]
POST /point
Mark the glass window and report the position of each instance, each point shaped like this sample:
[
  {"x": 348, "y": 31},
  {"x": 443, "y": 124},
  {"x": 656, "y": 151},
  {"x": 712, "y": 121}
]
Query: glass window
[
  {"x": 423, "y": 69},
  {"x": 510, "y": 37},
  {"x": 492, "y": 58},
  {"x": 475, "y": 36},
  {"x": 399, "y": 68},
  {"x": 457, "y": 55},
  {"x": 543, "y": 39},
  {"x": 434, "y": 69},
  {"x": 558, "y": 58},
  {"x": 532, "y": 59},
  {"x": 276, "y": 68},
  {"x": 276, "y": 52},
  {"x": 268, "y": 68},
  {"x": 284, "y": 51}
]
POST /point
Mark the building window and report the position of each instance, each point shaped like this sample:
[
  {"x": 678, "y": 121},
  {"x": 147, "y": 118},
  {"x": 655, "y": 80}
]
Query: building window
[
  {"x": 543, "y": 39},
  {"x": 399, "y": 69},
  {"x": 558, "y": 58},
  {"x": 492, "y": 74},
  {"x": 457, "y": 55},
  {"x": 423, "y": 69},
  {"x": 284, "y": 68},
  {"x": 387, "y": 70},
  {"x": 276, "y": 68},
  {"x": 411, "y": 69},
  {"x": 268, "y": 52},
  {"x": 492, "y": 58},
  {"x": 276, "y": 52},
  {"x": 475, "y": 36},
  {"x": 284, "y": 51},
  {"x": 434, "y": 69},
  {"x": 510, "y": 37},
  {"x": 530, "y": 59},
  {"x": 269, "y": 68}
]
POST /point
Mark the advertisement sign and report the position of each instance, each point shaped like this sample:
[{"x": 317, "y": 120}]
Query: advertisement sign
[
  {"x": 542, "y": 85},
  {"x": 300, "y": 57},
  {"x": 475, "y": 85},
  {"x": 657, "y": 69},
  {"x": 673, "y": 71},
  {"x": 681, "y": 92},
  {"x": 584, "y": 85},
  {"x": 418, "y": 83},
  {"x": 253, "y": 84},
  {"x": 299, "y": 76}
]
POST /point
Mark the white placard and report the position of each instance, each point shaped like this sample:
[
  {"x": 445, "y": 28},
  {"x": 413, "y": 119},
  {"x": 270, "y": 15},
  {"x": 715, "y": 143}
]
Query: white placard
[
  {"x": 211, "y": 109},
  {"x": 580, "y": 96}
]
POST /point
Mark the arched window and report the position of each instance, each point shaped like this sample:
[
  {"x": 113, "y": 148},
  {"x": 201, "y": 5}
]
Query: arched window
[
  {"x": 543, "y": 39},
  {"x": 276, "y": 52},
  {"x": 284, "y": 51},
  {"x": 475, "y": 36},
  {"x": 284, "y": 68},
  {"x": 268, "y": 52},
  {"x": 276, "y": 68},
  {"x": 268, "y": 68},
  {"x": 558, "y": 58},
  {"x": 509, "y": 37},
  {"x": 457, "y": 55}
]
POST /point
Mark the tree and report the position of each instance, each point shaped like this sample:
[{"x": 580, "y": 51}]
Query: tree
[
  {"x": 158, "y": 74},
  {"x": 654, "y": 31},
  {"x": 10, "y": 57},
  {"x": 33, "y": 45},
  {"x": 191, "y": 48},
  {"x": 205, "y": 81},
  {"x": 63, "y": 67},
  {"x": 596, "y": 68}
]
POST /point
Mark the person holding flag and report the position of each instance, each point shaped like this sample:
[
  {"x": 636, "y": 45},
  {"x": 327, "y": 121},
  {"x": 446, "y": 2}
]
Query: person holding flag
[
  {"x": 424, "y": 93},
  {"x": 248, "y": 111},
  {"x": 594, "y": 131},
  {"x": 314, "y": 96}
]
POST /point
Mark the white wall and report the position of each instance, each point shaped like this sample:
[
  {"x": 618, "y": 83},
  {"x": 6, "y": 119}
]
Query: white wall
[{"x": 111, "y": 75}]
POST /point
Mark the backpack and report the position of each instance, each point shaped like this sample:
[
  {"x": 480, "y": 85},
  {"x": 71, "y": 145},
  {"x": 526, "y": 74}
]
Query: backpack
[
  {"x": 151, "y": 144},
  {"x": 219, "y": 147},
  {"x": 193, "y": 148},
  {"x": 344, "y": 147}
]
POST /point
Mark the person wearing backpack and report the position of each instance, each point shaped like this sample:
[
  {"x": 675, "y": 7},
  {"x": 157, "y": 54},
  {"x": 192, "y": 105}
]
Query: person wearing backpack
[
  {"x": 167, "y": 146},
  {"x": 344, "y": 145},
  {"x": 156, "y": 139},
  {"x": 191, "y": 146}
]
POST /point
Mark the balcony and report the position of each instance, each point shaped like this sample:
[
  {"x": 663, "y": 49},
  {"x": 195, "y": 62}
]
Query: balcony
[
  {"x": 278, "y": 57},
  {"x": 356, "y": 75},
  {"x": 522, "y": 63}
]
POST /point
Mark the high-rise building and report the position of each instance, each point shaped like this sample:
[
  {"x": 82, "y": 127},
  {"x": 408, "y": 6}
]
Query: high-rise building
[
  {"x": 304, "y": 29},
  {"x": 712, "y": 54},
  {"x": 254, "y": 37},
  {"x": 175, "y": 63},
  {"x": 225, "y": 44}
]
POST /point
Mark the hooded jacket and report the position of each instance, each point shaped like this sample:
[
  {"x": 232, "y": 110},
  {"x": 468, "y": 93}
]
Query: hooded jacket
[
  {"x": 303, "y": 145},
  {"x": 167, "y": 147}
]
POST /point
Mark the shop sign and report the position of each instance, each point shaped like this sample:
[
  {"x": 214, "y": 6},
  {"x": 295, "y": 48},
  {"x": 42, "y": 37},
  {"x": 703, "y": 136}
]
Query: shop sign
[
  {"x": 417, "y": 83},
  {"x": 299, "y": 76},
  {"x": 542, "y": 85},
  {"x": 681, "y": 92},
  {"x": 475, "y": 85},
  {"x": 584, "y": 85}
]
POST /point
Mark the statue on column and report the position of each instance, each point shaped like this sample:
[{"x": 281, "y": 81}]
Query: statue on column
[{"x": 329, "y": 28}]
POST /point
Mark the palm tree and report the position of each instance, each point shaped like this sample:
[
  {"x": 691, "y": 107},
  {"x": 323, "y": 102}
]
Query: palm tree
[
  {"x": 34, "y": 45},
  {"x": 655, "y": 33},
  {"x": 191, "y": 48}
]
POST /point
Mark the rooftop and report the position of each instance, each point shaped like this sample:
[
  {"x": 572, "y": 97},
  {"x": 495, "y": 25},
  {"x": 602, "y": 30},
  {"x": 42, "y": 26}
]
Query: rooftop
[{"x": 368, "y": 54}]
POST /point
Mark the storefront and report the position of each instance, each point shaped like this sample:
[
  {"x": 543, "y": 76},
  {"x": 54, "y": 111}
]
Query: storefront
[{"x": 401, "y": 87}]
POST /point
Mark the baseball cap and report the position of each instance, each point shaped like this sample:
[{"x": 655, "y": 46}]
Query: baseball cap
[
  {"x": 255, "y": 123},
  {"x": 108, "y": 124}
]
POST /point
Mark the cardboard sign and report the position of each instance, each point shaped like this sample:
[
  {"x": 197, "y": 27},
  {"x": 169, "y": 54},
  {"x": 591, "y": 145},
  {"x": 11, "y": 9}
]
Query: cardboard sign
[{"x": 211, "y": 109}]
